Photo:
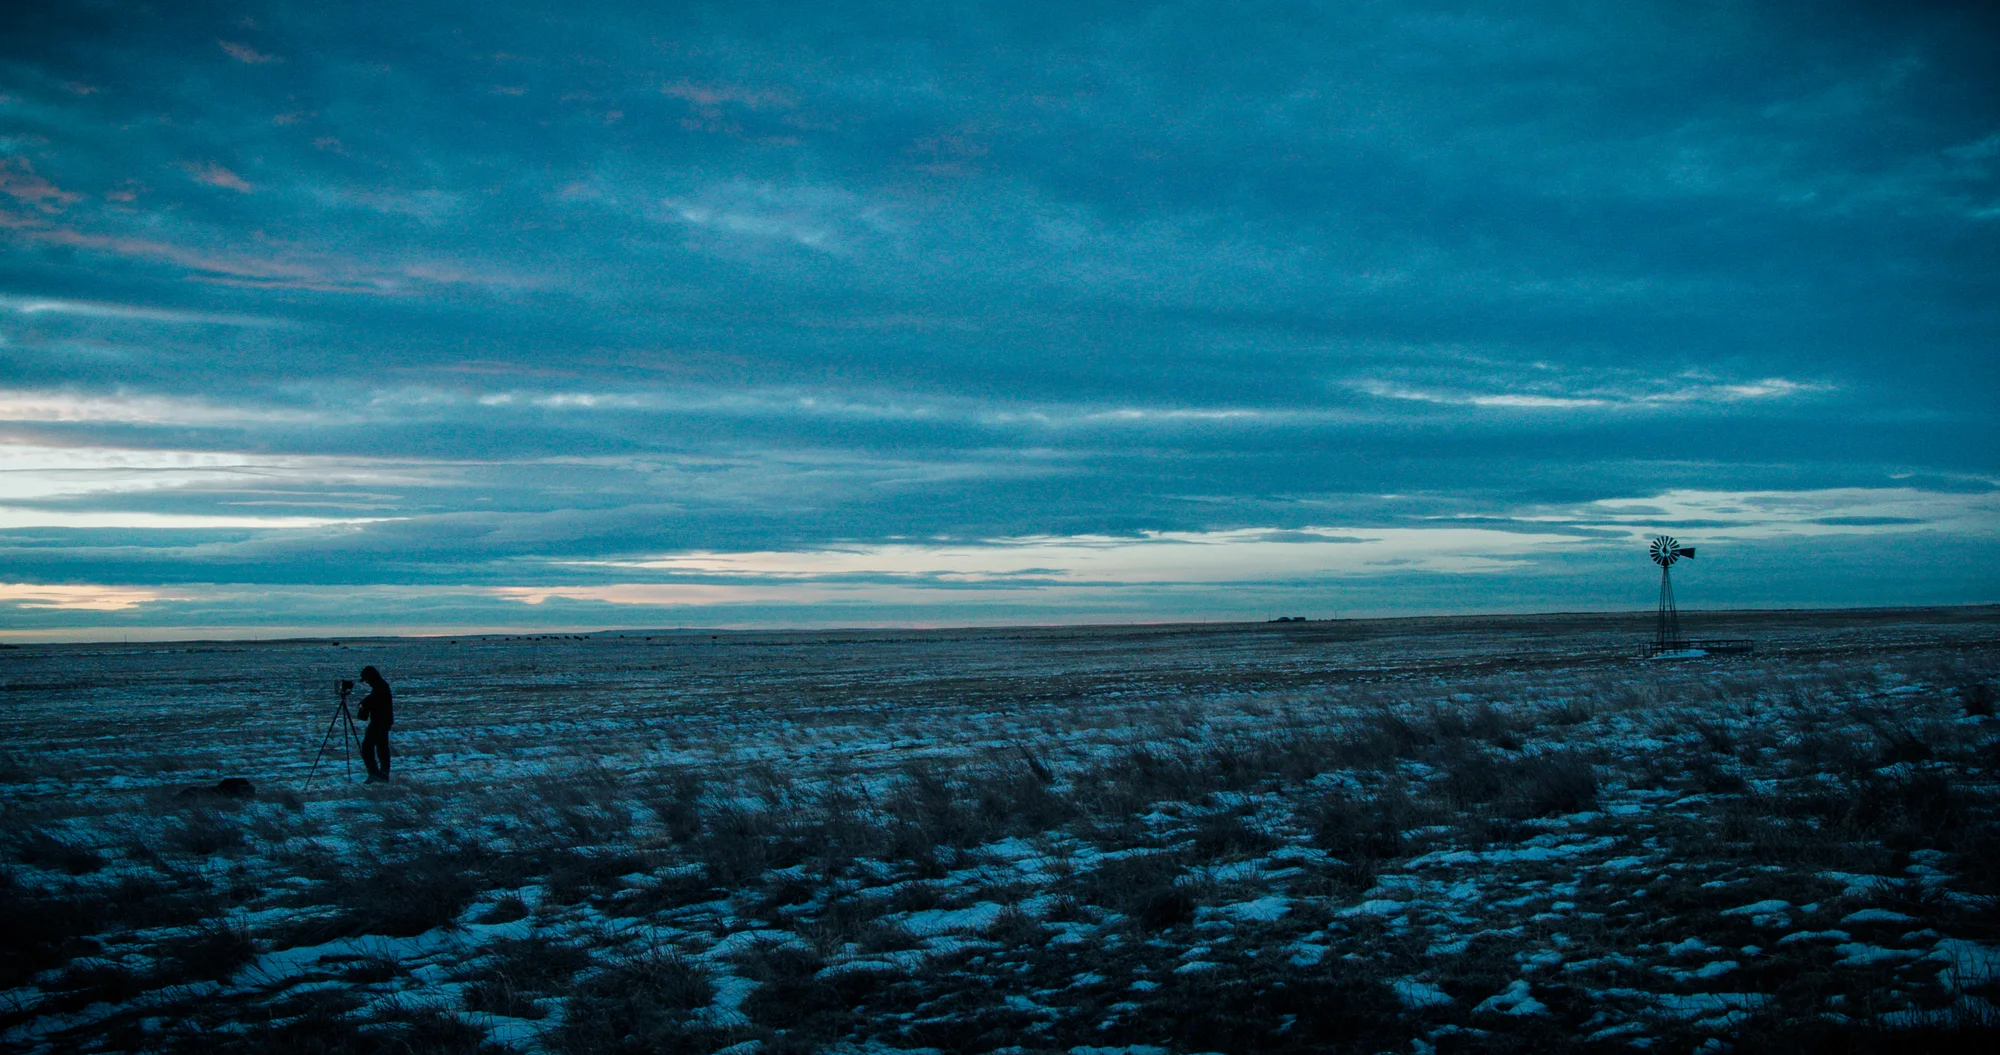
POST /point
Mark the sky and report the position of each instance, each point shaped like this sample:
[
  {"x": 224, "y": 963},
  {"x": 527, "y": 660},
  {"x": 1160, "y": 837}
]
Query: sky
[{"x": 435, "y": 317}]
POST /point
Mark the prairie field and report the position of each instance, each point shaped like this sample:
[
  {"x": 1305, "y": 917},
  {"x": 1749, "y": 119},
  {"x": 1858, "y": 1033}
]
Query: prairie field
[{"x": 1469, "y": 834}]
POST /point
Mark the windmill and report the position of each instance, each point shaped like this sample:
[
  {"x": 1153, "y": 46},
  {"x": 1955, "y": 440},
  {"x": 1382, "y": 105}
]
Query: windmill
[{"x": 1667, "y": 632}]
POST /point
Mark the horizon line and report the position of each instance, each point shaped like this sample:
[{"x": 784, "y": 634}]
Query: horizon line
[{"x": 18, "y": 639}]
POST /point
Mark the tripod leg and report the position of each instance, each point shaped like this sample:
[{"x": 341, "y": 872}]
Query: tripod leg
[
  {"x": 323, "y": 741},
  {"x": 351, "y": 732}
]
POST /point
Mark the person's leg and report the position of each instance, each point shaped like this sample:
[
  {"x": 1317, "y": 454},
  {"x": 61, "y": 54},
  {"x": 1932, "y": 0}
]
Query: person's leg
[
  {"x": 371, "y": 749},
  {"x": 383, "y": 750}
]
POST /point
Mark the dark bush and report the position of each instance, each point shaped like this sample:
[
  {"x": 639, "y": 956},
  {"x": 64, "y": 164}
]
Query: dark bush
[
  {"x": 789, "y": 995},
  {"x": 1551, "y": 784},
  {"x": 576, "y": 877},
  {"x": 395, "y": 899},
  {"x": 678, "y": 804},
  {"x": 500, "y": 996},
  {"x": 1472, "y": 777},
  {"x": 1224, "y": 834},
  {"x": 734, "y": 845},
  {"x": 1902, "y": 745},
  {"x": 204, "y": 833},
  {"x": 1923, "y": 809},
  {"x": 1142, "y": 887},
  {"x": 322, "y": 1025},
  {"x": 370, "y": 970},
  {"x": 535, "y": 964},
  {"x": 506, "y": 910},
  {"x": 39, "y": 848},
  {"x": 1979, "y": 857},
  {"x": 213, "y": 952},
  {"x": 1017, "y": 800},
  {"x": 640, "y": 1007},
  {"x": 1483, "y": 722},
  {"x": 1382, "y": 737},
  {"x": 87, "y": 982},
  {"x": 44, "y": 928},
  {"x": 1355, "y": 829}
]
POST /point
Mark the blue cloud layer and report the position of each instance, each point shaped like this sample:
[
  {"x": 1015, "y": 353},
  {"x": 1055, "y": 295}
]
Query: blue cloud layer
[{"x": 444, "y": 297}]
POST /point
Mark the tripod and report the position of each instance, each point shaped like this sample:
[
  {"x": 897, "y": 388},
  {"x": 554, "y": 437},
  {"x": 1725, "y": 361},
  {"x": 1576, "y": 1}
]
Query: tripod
[{"x": 343, "y": 720}]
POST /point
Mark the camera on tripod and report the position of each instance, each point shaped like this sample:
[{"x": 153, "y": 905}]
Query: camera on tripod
[{"x": 343, "y": 720}]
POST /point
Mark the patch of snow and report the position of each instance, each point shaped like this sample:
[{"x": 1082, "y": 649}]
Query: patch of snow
[
  {"x": 746, "y": 939},
  {"x": 1815, "y": 935},
  {"x": 1971, "y": 963},
  {"x": 1856, "y": 885},
  {"x": 1861, "y": 954},
  {"x": 1376, "y": 907},
  {"x": 1516, "y": 999},
  {"x": 1414, "y": 993},
  {"x": 1447, "y": 858},
  {"x": 948, "y": 920},
  {"x": 1306, "y": 954},
  {"x": 1876, "y": 915},
  {"x": 1263, "y": 909},
  {"x": 1759, "y": 908}
]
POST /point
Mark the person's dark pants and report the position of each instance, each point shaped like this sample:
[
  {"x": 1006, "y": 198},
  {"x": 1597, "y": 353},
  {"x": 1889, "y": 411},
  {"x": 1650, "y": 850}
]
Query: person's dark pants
[{"x": 375, "y": 751}]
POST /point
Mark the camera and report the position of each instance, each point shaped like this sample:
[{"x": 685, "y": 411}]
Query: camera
[{"x": 346, "y": 686}]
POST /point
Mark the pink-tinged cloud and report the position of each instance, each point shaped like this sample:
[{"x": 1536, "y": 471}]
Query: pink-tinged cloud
[
  {"x": 245, "y": 53},
  {"x": 302, "y": 270},
  {"x": 214, "y": 267},
  {"x": 19, "y": 182},
  {"x": 215, "y": 175},
  {"x": 717, "y": 94}
]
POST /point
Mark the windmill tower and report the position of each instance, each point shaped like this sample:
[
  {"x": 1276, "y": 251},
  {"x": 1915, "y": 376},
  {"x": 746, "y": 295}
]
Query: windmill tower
[{"x": 1667, "y": 631}]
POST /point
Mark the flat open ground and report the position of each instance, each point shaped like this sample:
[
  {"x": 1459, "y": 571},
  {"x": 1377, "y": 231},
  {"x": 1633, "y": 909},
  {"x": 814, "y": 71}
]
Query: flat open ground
[{"x": 1403, "y": 835}]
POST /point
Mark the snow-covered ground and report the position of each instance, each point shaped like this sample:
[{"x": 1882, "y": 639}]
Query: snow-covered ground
[{"x": 1503, "y": 834}]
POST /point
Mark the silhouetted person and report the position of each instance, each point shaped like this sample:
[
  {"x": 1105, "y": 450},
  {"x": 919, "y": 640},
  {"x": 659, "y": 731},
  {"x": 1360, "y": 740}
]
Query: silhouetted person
[{"x": 378, "y": 709}]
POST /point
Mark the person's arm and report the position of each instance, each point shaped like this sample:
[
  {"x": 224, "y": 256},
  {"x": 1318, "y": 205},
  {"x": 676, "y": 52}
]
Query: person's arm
[{"x": 365, "y": 701}]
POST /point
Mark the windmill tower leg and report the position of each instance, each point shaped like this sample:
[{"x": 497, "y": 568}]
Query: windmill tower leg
[{"x": 1667, "y": 633}]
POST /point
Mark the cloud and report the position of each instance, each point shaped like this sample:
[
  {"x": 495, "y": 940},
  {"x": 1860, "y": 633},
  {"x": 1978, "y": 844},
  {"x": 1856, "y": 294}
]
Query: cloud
[
  {"x": 1151, "y": 557},
  {"x": 77, "y": 598},
  {"x": 710, "y": 95},
  {"x": 1874, "y": 512},
  {"x": 59, "y": 406},
  {"x": 245, "y": 53},
  {"x": 259, "y": 272},
  {"x": 287, "y": 268},
  {"x": 98, "y": 310},
  {"x": 32, "y": 517},
  {"x": 19, "y": 182},
  {"x": 211, "y": 174},
  {"x": 1665, "y": 392}
]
